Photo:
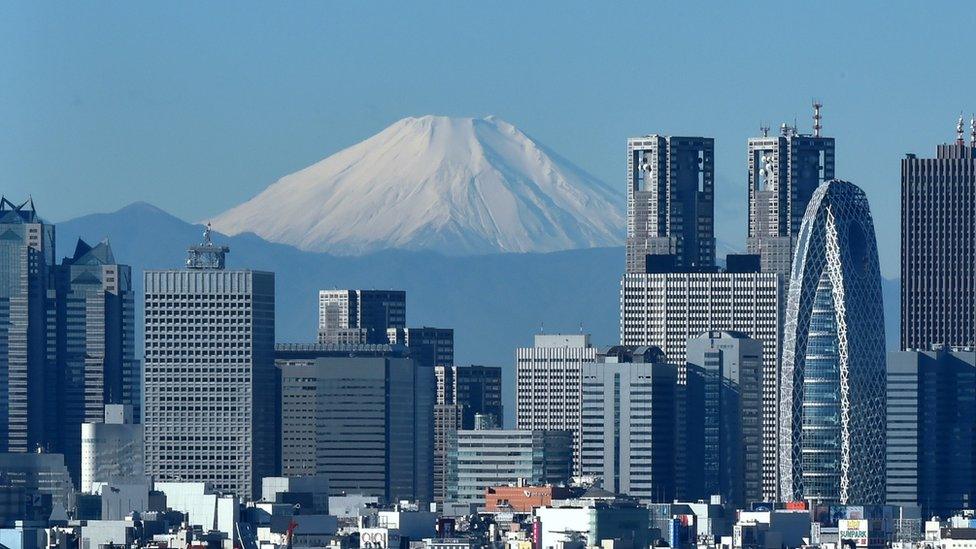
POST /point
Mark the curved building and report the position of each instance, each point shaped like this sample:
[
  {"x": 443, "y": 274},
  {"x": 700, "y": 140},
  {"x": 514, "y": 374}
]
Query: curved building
[{"x": 832, "y": 415}]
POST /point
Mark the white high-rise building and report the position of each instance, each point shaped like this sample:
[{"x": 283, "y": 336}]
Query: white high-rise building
[
  {"x": 210, "y": 379},
  {"x": 112, "y": 451},
  {"x": 667, "y": 309},
  {"x": 547, "y": 379}
]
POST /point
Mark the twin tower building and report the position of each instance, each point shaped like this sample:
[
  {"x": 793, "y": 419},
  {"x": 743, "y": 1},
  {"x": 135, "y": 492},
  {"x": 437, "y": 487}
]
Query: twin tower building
[{"x": 809, "y": 290}]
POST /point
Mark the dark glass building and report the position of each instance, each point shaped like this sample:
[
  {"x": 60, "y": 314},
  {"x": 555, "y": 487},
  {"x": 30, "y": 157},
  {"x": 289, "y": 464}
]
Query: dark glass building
[{"x": 938, "y": 246}]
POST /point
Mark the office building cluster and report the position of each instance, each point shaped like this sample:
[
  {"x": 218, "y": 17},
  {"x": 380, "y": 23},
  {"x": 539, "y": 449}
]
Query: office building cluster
[{"x": 749, "y": 401}]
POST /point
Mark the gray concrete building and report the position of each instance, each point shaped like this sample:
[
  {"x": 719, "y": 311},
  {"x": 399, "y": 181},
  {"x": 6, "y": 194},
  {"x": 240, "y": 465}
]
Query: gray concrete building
[
  {"x": 210, "y": 380},
  {"x": 503, "y": 457},
  {"x": 355, "y": 415},
  {"x": 931, "y": 446},
  {"x": 670, "y": 200},
  {"x": 938, "y": 236},
  {"x": 784, "y": 170},
  {"x": 628, "y": 423},
  {"x": 667, "y": 309},
  {"x": 112, "y": 450},
  {"x": 547, "y": 379},
  {"x": 360, "y": 316},
  {"x": 724, "y": 442}
]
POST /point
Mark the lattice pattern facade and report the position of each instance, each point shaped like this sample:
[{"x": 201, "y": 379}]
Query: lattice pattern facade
[{"x": 832, "y": 420}]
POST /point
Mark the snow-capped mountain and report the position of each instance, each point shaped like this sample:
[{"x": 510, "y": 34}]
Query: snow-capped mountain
[{"x": 453, "y": 185}]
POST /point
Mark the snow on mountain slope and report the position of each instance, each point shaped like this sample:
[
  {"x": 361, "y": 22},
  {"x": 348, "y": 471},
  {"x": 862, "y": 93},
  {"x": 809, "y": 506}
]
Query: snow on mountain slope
[{"x": 458, "y": 186}]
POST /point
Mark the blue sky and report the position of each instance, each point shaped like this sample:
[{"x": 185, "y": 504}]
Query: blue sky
[{"x": 196, "y": 107}]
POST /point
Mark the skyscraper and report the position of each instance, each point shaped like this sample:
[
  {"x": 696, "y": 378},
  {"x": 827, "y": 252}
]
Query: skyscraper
[
  {"x": 725, "y": 444},
  {"x": 95, "y": 331},
  {"x": 670, "y": 200},
  {"x": 429, "y": 347},
  {"x": 27, "y": 374},
  {"x": 938, "y": 238},
  {"x": 547, "y": 379},
  {"x": 628, "y": 422},
  {"x": 784, "y": 170},
  {"x": 210, "y": 379},
  {"x": 666, "y": 309},
  {"x": 360, "y": 316},
  {"x": 931, "y": 458},
  {"x": 355, "y": 414},
  {"x": 832, "y": 436}
]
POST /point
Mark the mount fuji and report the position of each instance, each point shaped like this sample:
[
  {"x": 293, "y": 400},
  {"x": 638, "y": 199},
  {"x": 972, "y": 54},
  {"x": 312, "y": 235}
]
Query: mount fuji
[{"x": 455, "y": 186}]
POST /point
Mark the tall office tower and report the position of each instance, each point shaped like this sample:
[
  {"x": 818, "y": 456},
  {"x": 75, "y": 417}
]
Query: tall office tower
[
  {"x": 667, "y": 309},
  {"x": 938, "y": 236},
  {"x": 27, "y": 374},
  {"x": 629, "y": 422},
  {"x": 95, "y": 344},
  {"x": 832, "y": 437},
  {"x": 428, "y": 346},
  {"x": 462, "y": 394},
  {"x": 725, "y": 443},
  {"x": 547, "y": 380},
  {"x": 493, "y": 457},
  {"x": 670, "y": 200},
  {"x": 210, "y": 379},
  {"x": 784, "y": 170},
  {"x": 931, "y": 458},
  {"x": 360, "y": 316},
  {"x": 353, "y": 413},
  {"x": 112, "y": 450}
]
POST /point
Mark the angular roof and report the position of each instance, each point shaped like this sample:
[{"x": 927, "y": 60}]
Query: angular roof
[
  {"x": 13, "y": 214},
  {"x": 85, "y": 254}
]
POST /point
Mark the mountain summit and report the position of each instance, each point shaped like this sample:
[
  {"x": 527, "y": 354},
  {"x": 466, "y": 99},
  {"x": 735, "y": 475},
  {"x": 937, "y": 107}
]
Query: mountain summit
[{"x": 457, "y": 186}]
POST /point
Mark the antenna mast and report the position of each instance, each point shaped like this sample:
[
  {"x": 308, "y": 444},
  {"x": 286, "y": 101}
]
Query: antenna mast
[{"x": 817, "y": 105}]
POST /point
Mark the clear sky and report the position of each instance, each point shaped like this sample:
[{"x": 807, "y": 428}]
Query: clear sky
[{"x": 196, "y": 107}]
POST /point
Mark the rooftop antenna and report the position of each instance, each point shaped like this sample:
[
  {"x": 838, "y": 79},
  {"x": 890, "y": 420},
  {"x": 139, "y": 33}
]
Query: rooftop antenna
[
  {"x": 972, "y": 131},
  {"x": 816, "y": 117},
  {"x": 542, "y": 327},
  {"x": 764, "y": 129},
  {"x": 581, "y": 327},
  {"x": 959, "y": 139}
]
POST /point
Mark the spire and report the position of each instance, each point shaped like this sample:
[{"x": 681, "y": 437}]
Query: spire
[
  {"x": 816, "y": 117},
  {"x": 959, "y": 138}
]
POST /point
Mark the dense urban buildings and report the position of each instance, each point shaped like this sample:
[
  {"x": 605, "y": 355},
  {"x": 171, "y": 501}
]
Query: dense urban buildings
[
  {"x": 357, "y": 415},
  {"x": 931, "y": 458},
  {"x": 667, "y": 309},
  {"x": 832, "y": 445},
  {"x": 360, "y": 316},
  {"x": 429, "y": 347},
  {"x": 95, "y": 344},
  {"x": 463, "y": 393},
  {"x": 938, "y": 246},
  {"x": 497, "y": 457},
  {"x": 112, "y": 450},
  {"x": 784, "y": 170},
  {"x": 725, "y": 441},
  {"x": 547, "y": 379},
  {"x": 27, "y": 378},
  {"x": 670, "y": 200},
  {"x": 628, "y": 422},
  {"x": 210, "y": 398}
]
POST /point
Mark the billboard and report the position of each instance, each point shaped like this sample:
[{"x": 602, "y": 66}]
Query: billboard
[{"x": 854, "y": 530}]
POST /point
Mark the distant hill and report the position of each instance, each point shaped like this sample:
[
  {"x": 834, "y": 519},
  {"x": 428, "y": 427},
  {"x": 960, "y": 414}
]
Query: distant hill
[{"x": 494, "y": 302}]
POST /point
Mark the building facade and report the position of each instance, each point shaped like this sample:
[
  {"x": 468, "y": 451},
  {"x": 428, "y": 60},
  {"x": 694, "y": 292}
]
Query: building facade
[
  {"x": 832, "y": 436},
  {"x": 931, "y": 446},
  {"x": 670, "y": 200},
  {"x": 547, "y": 379},
  {"x": 210, "y": 382},
  {"x": 497, "y": 457},
  {"x": 938, "y": 236},
  {"x": 429, "y": 347},
  {"x": 95, "y": 335},
  {"x": 784, "y": 171},
  {"x": 667, "y": 309},
  {"x": 360, "y": 316},
  {"x": 28, "y": 382},
  {"x": 112, "y": 450},
  {"x": 354, "y": 414},
  {"x": 629, "y": 424},
  {"x": 726, "y": 445}
]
